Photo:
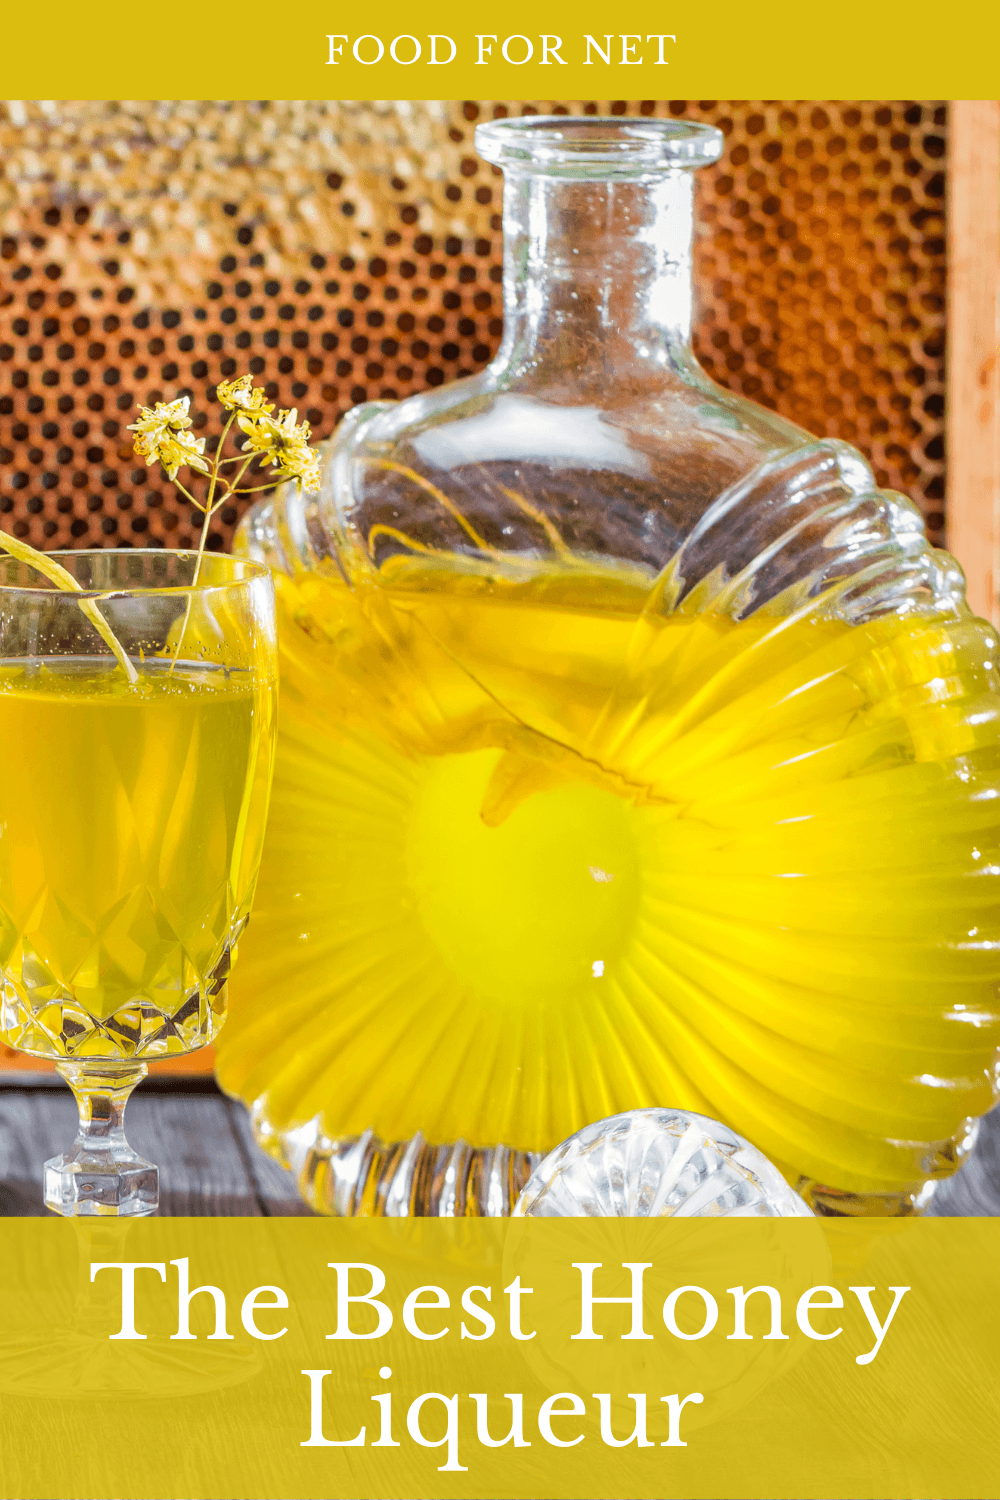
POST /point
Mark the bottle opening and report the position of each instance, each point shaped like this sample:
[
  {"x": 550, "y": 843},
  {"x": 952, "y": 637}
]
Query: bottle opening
[{"x": 597, "y": 147}]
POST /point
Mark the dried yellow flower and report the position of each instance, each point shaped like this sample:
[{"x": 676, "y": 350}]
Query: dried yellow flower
[
  {"x": 242, "y": 395},
  {"x": 282, "y": 442},
  {"x": 175, "y": 449},
  {"x": 154, "y": 421},
  {"x": 162, "y": 437},
  {"x": 308, "y": 471}
]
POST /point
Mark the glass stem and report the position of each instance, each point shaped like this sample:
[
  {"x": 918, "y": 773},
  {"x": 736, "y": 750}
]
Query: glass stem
[
  {"x": 101, "y": 1174},
  {"x": 102, "y": 1092}
]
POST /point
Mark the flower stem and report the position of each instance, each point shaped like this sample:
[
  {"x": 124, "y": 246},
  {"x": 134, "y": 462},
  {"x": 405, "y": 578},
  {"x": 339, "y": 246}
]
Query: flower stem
[
  {"x": 210, "y": 506},
  {"x": 202, "y": 543},
  {"x": 63, "y": 579},
  {"x": 253, "y": 488}
]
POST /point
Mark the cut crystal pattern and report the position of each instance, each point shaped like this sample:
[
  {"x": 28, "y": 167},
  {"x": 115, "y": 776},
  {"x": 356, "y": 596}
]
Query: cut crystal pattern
[
  {"x": 658, "y": 1163},
  {"x": 48, "y": 1023}
]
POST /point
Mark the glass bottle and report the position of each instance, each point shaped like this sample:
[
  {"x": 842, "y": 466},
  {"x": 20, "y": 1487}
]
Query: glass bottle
[{"x": 636, "y": 750}]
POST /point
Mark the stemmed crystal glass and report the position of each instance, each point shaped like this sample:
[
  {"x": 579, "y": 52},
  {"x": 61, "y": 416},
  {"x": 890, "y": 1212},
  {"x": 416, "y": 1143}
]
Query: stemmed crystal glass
[{"x": 132, "y": 810}]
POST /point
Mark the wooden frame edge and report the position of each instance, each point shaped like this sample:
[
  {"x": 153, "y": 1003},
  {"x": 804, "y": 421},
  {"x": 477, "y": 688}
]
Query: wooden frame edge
[{"x": 972, "y": 509}]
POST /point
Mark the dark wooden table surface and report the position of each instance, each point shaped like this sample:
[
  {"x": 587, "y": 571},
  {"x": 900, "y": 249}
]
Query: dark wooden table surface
[
  {"x": 201, "y": 1141},
  {"x": 210, "y": 1164}
]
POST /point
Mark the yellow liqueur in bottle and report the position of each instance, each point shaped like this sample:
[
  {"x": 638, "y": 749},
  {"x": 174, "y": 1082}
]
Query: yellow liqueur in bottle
[
  {"x": 117, "y": 927},
  {"x": 539, "y": 852}
]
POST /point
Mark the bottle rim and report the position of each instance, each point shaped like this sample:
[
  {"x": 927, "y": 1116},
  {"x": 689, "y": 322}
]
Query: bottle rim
[{"x": 597, "y": 146}]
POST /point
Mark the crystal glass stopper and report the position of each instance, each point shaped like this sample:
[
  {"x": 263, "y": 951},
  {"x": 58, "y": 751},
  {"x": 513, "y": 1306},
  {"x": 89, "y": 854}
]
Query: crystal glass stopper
[{"x": 657, "y": 1163}]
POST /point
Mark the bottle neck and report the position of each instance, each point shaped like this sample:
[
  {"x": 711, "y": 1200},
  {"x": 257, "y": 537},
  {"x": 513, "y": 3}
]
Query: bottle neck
[{"x": 597, "y": 281}]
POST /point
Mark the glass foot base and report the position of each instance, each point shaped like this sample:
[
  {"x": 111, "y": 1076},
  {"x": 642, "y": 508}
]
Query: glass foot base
[
  {"x": 82, "y": 1182},
  {"x": 68, "y": 1364},
  {"x": 100, "y": 1174}
]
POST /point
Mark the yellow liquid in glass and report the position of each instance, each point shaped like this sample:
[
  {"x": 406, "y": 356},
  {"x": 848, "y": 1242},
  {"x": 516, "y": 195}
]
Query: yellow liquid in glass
[
  {"x": 130, "y": 824},
  {"x": 538, "y": 853}
]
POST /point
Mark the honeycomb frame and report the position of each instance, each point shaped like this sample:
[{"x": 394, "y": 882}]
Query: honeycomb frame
[{"x": 343, "y": 253}]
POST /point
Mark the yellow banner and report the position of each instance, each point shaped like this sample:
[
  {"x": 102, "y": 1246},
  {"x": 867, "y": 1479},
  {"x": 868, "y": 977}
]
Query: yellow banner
[
  {"x": 537, "y": 1358},
  {"x": 554, "y": 50}
]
